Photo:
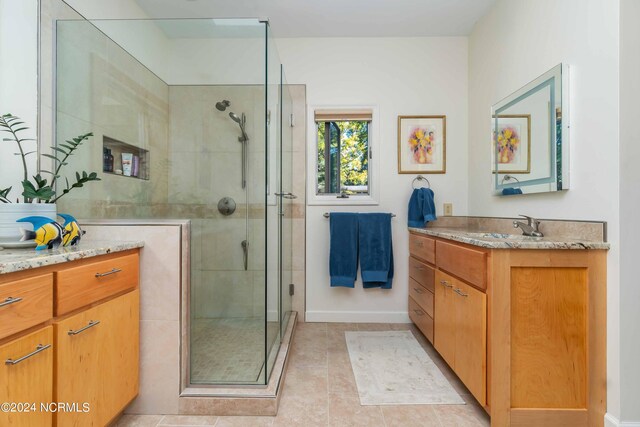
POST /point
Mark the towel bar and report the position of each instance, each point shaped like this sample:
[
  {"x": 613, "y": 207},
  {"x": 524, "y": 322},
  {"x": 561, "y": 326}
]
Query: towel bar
[{"x": 326, "y": 215}]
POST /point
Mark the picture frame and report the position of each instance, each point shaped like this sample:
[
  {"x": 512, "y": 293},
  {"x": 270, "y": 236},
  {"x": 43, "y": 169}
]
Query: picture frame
[
  {"x": 511, "y": 144},
  {"x": 422, "y": 144}
]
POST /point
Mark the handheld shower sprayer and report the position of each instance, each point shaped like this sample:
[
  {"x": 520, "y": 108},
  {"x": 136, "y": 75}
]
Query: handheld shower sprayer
[{"x": 243, "y": 138}]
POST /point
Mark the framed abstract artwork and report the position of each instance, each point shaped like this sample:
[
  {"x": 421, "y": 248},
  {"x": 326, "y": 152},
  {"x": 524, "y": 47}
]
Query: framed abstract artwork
[
  {"x": 511, "y": 143},
  {"x": 422, "y": 144}
]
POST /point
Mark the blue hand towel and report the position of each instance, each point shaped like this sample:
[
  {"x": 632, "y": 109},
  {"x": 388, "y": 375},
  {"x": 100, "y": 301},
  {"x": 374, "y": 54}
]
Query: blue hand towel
[
  {"x": 376, "y": 250},
  {"x": 511, "y": 191},
  {"x": 343, "y": 250},
  {"x": 422, "y": 208}
]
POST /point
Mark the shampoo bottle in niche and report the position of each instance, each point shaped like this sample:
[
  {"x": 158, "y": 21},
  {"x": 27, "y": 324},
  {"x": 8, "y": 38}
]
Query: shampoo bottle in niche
[
  {"x": 107, "y": 160},
  {"x": 135, "y": 168},
  {"x": 127, "y": 163}
]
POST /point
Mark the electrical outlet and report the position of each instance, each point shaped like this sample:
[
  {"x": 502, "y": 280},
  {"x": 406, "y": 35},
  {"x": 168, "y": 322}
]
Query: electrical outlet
[{"x": 448, "y": 209}]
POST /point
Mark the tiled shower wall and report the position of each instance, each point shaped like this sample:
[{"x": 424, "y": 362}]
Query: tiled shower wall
[
  {"x": 205, "y": 167},
  {"x": 104, "y": 90}
]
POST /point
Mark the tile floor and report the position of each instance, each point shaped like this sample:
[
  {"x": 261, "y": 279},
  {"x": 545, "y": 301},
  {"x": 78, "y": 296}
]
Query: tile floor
[{"x": 320, "y": 390}]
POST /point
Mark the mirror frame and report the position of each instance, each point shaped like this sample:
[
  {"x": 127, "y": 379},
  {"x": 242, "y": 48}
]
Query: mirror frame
[{"x": 559, "y": 179}]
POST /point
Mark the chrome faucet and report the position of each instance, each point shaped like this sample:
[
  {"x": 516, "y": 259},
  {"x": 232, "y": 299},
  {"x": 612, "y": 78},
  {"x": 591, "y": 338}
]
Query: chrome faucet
[{"x": 530, "y": 228}]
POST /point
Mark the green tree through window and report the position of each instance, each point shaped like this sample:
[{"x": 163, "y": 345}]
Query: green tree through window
[{"x": 349, "y": 139}]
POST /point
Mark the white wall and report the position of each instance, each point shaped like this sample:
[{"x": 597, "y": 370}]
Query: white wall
[
  {"x": 514, "y": 43},
  {"x": 210, "y": 61},
  {"x": 402, "y": 76},
  {"x": 18, "y": 84},
  {"x": 629, "y": 207},
  {"x": 144, "y": 40}
]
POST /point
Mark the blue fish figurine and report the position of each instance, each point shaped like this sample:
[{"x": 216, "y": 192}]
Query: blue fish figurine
[
  {"x": 46, "y": 232},
  {"x": 72, "y": 231}
]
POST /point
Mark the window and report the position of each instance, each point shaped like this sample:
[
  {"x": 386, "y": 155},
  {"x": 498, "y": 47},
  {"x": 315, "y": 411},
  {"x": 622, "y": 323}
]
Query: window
[{"x": 343, "y": 152}]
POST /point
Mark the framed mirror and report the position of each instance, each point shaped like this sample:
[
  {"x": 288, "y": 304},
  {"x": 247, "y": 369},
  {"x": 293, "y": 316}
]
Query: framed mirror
[{"x": 530, "y": 137}]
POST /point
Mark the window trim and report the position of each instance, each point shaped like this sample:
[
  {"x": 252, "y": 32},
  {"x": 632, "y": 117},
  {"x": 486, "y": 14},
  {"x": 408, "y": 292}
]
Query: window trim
[{"x": 312, "y": 155}]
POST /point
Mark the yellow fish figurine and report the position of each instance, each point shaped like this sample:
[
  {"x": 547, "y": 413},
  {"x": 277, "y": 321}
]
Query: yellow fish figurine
[
  {"x": 47, "y": 233},
  {"x": 72, "y": 231}
]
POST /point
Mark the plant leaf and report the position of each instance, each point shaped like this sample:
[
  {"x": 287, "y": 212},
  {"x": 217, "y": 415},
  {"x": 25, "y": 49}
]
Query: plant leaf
[{"x": 51, "y": 157}]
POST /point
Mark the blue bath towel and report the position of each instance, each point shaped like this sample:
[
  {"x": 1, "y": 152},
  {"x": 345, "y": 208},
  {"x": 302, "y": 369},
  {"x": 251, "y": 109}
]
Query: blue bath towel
[
  {"x": 422, "y": 208},
  {"x": 511, "y": 191},
  {"x": 343, "y": 250},
  {"x": 376, "y": 250}
]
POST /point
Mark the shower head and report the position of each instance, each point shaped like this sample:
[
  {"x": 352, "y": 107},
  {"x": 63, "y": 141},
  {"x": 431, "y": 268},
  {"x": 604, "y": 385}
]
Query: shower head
[
  {"x": 222, "y": 105},
  {"x": 235, "y": 118}
]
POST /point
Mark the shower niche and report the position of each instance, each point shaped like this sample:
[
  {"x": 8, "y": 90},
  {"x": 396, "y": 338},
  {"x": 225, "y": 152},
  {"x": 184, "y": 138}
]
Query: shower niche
[{"x": 116, "y": 154}]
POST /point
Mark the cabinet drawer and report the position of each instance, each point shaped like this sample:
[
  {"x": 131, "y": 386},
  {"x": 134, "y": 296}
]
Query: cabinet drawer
[
  {"x": 465, "y": 263},
  {"x": 28, "y": 378},
  {"x": 422, "y": 296},
  {"x": 81, "y": 286},
  {"x": 422, "y": 247},
  {"x": 423, "y": 321},
  {"x": 422, "y": 273},
  {"x": 25, "y": 303}
]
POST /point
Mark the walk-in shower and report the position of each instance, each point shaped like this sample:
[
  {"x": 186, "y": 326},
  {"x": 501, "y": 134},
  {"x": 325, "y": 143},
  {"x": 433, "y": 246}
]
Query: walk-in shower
[{"x": 145, "y": 87}]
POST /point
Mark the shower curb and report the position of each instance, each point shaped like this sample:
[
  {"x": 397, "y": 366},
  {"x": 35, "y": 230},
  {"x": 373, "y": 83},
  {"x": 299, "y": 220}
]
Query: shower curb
[{"x": 249, "y": 400}]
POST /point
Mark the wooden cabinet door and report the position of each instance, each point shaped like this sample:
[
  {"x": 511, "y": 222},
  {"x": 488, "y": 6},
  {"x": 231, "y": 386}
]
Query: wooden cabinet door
[
  {"x": 97, "y": 360},
  {"x": 121, "y": 352},
  {"x": 27, "y": 379},
  {"x": 471, "y": 339},
  {"x": 77, "y": 367},
  {"x": 444, "y": 318}
]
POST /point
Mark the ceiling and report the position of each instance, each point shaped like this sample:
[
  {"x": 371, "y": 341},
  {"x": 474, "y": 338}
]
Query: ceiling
[{"x": 336, "y": 18}]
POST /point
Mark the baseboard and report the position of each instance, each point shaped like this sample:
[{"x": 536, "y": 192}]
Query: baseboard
[
  {"x": 358, "y": 316},
  {"x": 611, "y": 421}
]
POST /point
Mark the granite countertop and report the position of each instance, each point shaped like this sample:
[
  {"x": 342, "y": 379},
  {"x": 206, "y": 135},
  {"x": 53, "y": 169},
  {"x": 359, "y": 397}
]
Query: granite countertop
[
  {"x": 508, "y": 241},
  {"x": 12, "y": 260}
]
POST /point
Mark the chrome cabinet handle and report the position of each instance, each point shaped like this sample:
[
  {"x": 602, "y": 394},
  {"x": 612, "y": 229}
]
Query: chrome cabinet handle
[
  {"x": 113, "y": 271},
  {"x": 418, "y": 290},
  {"x": 9, "y": 300},
  {"x": 446, "y": 284},
  {"x": 419, "y": 268},
  {"x": 459, "y": 292},
  {"x": 39, "y": 348},
  {"x": 419, "y": 312},
  {"x": 421, "y": 244},
  {"x": 91, "y": 324}
]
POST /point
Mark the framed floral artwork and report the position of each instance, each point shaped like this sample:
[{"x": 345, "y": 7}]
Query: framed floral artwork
[
  {"x": 422, "y": 144},
  {"x": 511, "y": 136}
]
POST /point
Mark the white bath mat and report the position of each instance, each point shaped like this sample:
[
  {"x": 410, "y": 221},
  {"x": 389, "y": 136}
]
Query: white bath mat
[{"x": 392, "y": 369}]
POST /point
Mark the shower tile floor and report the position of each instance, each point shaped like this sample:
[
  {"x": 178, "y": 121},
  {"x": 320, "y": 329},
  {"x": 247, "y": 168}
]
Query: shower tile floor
[{"x": 229, "y": 350}]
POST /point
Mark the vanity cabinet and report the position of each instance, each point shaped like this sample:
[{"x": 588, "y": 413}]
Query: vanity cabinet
[
  {"x": 524, "y": 329},
  {"x": 78, "y": 323}
]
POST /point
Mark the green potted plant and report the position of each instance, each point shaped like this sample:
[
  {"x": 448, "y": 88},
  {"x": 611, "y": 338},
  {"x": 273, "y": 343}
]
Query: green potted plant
[{"x": 38, "y": 195}]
